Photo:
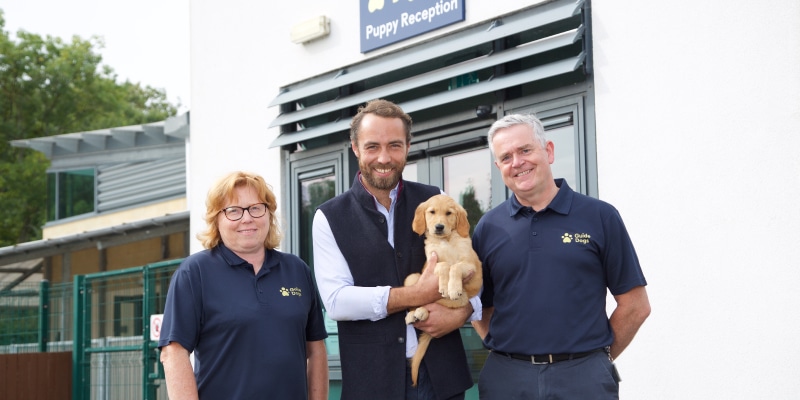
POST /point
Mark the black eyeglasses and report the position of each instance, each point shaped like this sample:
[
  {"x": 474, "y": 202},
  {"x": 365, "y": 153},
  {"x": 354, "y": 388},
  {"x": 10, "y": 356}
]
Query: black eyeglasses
[{"x": 235, "y": 213}]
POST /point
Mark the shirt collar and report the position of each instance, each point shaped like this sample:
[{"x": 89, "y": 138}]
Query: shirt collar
[
  {"x": 393, "y": 194},
  {"x": 235, "y": 261},
  {"x": 229, "y": 256},
  {"x": 560, "y": 204}
]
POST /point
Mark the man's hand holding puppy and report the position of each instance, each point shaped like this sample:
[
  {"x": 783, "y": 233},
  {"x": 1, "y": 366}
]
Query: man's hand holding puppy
[
  {"x": 443, "y": 320},
  {"x": 424, "y": 291}
]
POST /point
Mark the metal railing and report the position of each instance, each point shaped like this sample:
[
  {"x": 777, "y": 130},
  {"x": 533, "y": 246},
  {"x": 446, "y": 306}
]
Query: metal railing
[{"x": 103, "y": 318}]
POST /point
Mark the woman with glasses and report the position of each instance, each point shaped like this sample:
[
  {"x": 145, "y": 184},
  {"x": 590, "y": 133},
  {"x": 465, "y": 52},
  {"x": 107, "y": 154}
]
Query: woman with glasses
[{"x": 250, "y": 314}]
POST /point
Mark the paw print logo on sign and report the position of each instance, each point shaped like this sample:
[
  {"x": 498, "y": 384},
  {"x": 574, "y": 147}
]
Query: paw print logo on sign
[
  {"x": 375, "y": 5},
  {"x": 284, "y": 292},
  {"x": 566, "y": 238}
]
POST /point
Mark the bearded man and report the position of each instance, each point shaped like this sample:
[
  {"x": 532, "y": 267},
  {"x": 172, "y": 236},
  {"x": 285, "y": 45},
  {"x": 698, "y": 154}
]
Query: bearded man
[{"x": 364, "y": 248}]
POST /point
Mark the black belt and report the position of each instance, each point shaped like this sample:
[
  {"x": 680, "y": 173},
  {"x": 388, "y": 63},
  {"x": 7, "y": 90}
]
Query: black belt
[{"x": 546, "y": 358}]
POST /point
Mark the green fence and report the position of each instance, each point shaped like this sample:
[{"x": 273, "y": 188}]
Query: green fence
[
  {"x": 103, "y": 319},
  {"x": 114, "y": 357},
  {"x": 19, "y": 319},
  {"x": 36, "y": 317}
]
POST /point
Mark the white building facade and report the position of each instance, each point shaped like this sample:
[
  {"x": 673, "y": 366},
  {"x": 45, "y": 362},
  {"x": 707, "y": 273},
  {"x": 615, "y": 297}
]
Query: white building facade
[{"x": 684, "y": 115}]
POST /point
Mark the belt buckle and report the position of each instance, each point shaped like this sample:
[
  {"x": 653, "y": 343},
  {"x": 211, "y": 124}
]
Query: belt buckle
[{"x": 549, "y": 361}]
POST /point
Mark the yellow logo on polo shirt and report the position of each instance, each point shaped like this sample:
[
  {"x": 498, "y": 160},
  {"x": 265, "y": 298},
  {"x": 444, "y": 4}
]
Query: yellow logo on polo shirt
[
  {"x": 582, "y": 238},
  {"x": 291, "y": 292}
]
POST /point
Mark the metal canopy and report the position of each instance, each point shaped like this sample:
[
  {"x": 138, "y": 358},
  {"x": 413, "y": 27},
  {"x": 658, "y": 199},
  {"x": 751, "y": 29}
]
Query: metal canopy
[
  {"x": 100, "y": 238},
  {"x": 488, "y": 61},
  {"x": 506, "y": 81},
  {"x": 544, "y": 45},
  {"x": 545, "y": 14},
  {"x": 13, "y": 274},
  {"x": 173, "y": 130}
]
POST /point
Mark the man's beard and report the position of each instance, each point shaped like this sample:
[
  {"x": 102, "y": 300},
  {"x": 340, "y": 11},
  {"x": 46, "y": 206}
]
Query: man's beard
[{"x": 382, "y": 183}]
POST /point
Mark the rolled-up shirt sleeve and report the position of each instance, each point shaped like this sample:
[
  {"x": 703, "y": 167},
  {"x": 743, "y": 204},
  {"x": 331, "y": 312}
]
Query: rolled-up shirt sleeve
[
  {"x": 343, "y": 301},
  {"x": 477, "y": 308}
]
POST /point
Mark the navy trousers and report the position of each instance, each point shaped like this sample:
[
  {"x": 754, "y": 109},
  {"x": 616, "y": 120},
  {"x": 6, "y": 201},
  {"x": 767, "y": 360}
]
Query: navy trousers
[{"x": 590, "y": 377}]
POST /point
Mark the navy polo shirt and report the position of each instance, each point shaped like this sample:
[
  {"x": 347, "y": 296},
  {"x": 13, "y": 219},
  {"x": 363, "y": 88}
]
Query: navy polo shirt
[
  {"x": 546, "y": 273},
  {"x": 248, "y": 332}
]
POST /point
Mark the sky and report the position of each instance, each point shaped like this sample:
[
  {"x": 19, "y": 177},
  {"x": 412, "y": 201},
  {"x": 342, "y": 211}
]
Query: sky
[{"x": 146, "y": 41}]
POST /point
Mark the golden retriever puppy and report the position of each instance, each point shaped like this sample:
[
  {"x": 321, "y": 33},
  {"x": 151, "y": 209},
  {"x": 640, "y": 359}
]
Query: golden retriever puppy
[{"x": 444, "y": 223}]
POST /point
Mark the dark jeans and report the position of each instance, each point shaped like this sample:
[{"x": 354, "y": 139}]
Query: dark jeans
[{"x": 424, "y": 389}]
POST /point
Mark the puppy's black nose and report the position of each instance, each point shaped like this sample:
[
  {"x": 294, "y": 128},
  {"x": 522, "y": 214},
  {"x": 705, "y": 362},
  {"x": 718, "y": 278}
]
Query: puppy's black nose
[{"x": 439, "y": 227}]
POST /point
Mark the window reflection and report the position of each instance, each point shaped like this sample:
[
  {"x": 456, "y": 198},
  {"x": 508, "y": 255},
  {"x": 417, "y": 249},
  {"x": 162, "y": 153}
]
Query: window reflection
[
  {"x": 70, "y": 193},
  {"x": 313, "y": 192},
  {"x": 468, "y": 179},
  {"x": 564, "y": 165}
]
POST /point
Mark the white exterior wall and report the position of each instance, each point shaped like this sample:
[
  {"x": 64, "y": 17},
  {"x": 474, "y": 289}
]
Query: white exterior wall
[
  {"x": 697, "y": 123},
  {"x": 698, "y": 126}
]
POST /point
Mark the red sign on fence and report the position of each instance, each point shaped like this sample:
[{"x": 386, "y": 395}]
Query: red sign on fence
[{"x": 155, "y": 326}]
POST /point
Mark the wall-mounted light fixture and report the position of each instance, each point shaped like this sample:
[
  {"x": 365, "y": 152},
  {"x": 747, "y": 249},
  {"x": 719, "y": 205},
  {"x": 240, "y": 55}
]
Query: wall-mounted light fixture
[
  {"x": 483, "y": 111},
  {"x": 314, "y": 28}
]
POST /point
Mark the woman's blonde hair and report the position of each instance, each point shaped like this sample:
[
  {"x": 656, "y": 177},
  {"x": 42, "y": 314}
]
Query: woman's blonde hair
[{"x": 222, "y": 193}]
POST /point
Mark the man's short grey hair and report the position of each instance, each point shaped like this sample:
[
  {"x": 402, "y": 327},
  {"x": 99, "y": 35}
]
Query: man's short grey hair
[{"x": 518, "y": 119}]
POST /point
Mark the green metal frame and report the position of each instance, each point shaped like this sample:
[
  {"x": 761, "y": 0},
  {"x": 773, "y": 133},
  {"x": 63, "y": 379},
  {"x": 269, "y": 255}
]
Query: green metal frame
[
  {"x": 152, "y": 367},
  {"x": 44, "y": 314},
  {"x": 81, "y": 373},
  {"x": 82, "y": 348}
]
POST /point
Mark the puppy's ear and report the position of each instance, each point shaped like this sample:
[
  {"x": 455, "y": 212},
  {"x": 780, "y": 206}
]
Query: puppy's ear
[
  {"x": 419, "y": 225},
  {"x": 462, "y": 223}
]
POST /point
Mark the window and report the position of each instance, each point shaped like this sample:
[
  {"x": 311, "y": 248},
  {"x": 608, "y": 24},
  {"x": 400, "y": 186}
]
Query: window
[
  {"x": 566, "y": 125},
  {"x": 315, "y": 178},
  {"x": 127, "y": 316},
  {"x": 315, "y": 188},
  {"x": 70, "y": 193},
  {"x": 468, "y": 179}
]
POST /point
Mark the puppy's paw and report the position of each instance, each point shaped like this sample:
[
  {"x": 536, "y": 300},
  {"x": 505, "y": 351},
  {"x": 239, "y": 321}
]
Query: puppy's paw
[
  {"x": 454, "y": 294},
  {"x": 419, "y": 314},
  {"x": 455, "y": 290},
  {"x": 443, "y": 290}
]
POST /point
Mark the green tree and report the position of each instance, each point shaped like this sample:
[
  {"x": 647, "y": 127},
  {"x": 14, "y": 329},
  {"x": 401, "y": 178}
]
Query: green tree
[
  {"x": 50, "y": 87},
  {"x": 473, "y": 207}
]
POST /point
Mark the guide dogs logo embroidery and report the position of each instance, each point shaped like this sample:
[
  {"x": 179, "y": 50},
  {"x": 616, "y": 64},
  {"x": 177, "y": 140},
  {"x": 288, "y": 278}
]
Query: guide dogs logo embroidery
[
  {"x": 582, "y": 238},
  {"x": 291, "y": 292}
]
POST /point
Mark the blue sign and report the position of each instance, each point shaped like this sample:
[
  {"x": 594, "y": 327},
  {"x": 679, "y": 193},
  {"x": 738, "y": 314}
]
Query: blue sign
[{"x": 384, "y": 22}]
